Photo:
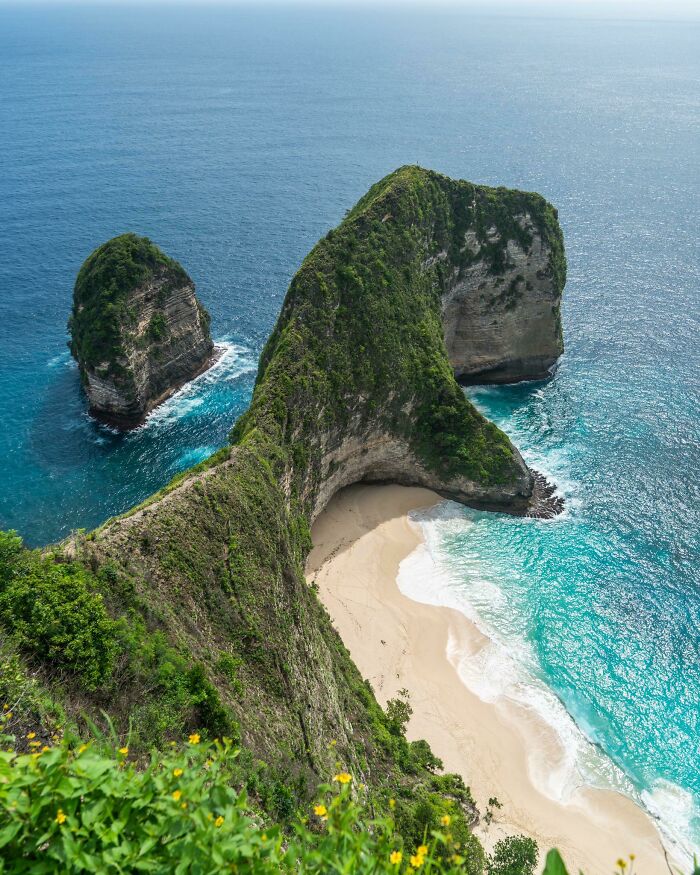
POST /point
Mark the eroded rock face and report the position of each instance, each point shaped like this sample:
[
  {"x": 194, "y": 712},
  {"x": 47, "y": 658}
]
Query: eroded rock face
[
  {"x": 505, "y": 327},
  {"x": 138, "y": 331},
  {"x": 428, "y": 279}
]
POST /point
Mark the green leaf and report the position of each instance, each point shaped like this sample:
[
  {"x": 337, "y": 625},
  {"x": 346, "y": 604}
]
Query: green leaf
[{"x": 554, "y": 865}]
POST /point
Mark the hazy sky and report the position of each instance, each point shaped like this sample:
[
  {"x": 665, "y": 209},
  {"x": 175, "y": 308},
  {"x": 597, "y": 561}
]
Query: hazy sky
[{"x": 605, "y": 8}]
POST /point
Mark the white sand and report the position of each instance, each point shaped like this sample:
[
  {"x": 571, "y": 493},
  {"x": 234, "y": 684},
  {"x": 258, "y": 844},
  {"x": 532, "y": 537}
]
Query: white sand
[{"x": 359, "y": 541}]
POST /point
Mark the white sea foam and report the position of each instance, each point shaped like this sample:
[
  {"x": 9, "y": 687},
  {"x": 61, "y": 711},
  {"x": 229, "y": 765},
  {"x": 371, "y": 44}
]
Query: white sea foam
[
  {"x": 233, "y": 362},
  {"x": 505, "y": 670},
  {"x": 63, "y": 359},
  {"x": 676, "y": 812},
  {"x": 553, "y": 463}
]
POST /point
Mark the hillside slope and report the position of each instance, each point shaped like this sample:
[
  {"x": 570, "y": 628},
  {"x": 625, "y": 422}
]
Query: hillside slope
[{"x": 205, "y": 618}]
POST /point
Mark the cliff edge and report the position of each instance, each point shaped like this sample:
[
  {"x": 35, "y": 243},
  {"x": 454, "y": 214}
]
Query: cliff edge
[
  {"x": 192, "y": 612},
  {"x": 138, "y": 331},
  {"x": 427, "y": 279}
]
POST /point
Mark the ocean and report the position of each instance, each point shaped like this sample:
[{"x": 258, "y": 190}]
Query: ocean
[{"x": 234, "y": 138}]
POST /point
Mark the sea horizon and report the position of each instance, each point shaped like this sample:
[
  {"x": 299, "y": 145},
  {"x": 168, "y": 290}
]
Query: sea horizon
[{"x": 237, "y": 139}]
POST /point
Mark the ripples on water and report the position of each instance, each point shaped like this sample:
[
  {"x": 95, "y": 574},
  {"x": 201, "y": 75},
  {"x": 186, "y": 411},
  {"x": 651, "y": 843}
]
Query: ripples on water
[
  {"x": 597, "y": 606},
  {"x": 235, "y": 138}
]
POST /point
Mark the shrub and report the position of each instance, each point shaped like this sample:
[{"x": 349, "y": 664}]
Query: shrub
[
  {"x": 92, "y": 809},
  {"x": 513, "y": 855},
  {"x": 53, "y": 610}
]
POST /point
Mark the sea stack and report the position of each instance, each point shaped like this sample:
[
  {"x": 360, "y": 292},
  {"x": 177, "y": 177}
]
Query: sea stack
[{"x": 137, "y": 330}]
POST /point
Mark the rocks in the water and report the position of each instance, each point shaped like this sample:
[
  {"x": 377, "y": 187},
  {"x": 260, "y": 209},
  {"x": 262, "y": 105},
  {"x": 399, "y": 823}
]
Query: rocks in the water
[
  {"x": 544, "y": 503},
  {"x": 138, "y": 331}
]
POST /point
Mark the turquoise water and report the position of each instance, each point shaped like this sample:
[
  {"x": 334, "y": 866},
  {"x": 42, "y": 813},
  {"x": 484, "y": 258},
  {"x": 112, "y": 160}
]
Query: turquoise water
[{"x": 235, "y": 138}]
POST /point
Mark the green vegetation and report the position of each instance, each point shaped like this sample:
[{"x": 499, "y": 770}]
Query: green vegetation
[
  {"x": 54, "y": 610},
  {"x": 157, "y": 327},
  {"x": 191, "y": 613},
  {"x": 73, "y": 807},
  {"x": 100, "y": 300},
  {"x": 515, "y": 855}
]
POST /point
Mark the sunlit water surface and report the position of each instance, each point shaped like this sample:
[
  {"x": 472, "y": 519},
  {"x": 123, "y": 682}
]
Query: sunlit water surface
[{"x": 235, "y": 138}]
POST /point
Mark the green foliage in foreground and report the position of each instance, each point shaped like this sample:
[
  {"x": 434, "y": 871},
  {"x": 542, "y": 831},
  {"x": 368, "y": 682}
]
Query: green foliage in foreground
[
  {"x": 92, "y": 809},
  {"x": 516, "y": 855}
]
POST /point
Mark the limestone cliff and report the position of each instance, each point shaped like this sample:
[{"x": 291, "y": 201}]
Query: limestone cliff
[
  {"x": 137, "y": 329},
  {"x": 427, "y": 278},
  {"x": 504, "y": 326},
  {"x": 217, "y": 626}
]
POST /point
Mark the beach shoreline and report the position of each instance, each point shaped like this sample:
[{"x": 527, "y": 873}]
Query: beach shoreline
[{"x": 397, "y": 643}]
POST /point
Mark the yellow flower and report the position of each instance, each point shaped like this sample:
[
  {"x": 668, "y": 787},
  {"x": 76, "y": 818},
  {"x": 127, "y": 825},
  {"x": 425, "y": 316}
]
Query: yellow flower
[
  {"x": 60, "y": 817},
  {"x": 194, "y": 738},
  {"x": 343, "y": 778},
  {"x": 622, "y": 864},
  {"x": 82, "y": 748},
  {"x": 9, "y": 715},
  {"x": 31, "y": 735},
  {"x": 219, "y": 820},
  {"x": 392, "y": 803},
  {"x": 34, "y": 744},
  {"x": 183, "y": 806},
  {"x": 263, "y": 837},
  {"x": 422, "y": 851},
  {"x": 332, "y": 743},
  {"x": 177, "y": 794},
  {"x": 5, "y": 707},
  {"x": 124, "y": 751},
  {"x": 320, "y": 810},
  {"x": 395, "y": 858},
  {"x": 445, "y": 820},
  {"x": 177, "y": 772},
  {"x": 632, "y": 857},
  {"x": 45, "y": 748},
  {"x": 417, "y": 861}
]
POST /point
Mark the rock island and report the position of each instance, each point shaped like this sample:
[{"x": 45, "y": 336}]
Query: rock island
[{"x": 137, "y": 330}]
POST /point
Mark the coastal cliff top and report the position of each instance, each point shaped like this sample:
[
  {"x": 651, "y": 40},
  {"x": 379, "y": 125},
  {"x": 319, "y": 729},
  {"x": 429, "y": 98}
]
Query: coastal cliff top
[
  {"x": 360, "y": 345},
  {"x": 104, "y": 282}
]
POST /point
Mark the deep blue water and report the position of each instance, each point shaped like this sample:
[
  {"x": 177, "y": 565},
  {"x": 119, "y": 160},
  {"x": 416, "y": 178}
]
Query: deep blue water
[{"x": 236, "y": 137}]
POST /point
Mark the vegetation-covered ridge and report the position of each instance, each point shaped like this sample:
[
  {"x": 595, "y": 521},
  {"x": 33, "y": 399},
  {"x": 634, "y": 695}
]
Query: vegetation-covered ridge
[{"x": 191, "y": 614}]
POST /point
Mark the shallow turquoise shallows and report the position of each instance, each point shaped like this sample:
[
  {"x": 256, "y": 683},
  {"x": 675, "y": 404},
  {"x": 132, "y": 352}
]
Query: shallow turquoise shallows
[{"x": 235, "y": 137}]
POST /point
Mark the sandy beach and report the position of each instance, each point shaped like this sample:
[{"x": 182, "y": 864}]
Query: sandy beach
[{"x": 359, "y": 542}]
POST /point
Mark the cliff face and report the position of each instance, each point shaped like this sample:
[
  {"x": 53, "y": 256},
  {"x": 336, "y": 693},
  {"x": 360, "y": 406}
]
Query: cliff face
[
  {"x": 427, "y": 278},
  {"x": 138, "y": 331},
  {"x": 506, "y": 327},
  {"x": 355, "y": 383}
]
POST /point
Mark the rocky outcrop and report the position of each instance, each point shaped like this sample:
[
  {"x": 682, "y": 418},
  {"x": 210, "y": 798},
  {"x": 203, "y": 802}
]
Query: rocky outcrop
[
  {"x": 357, "y": 382},
  {"x": 427, "y": 279},
  {"x": 137, "y": 329}
]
